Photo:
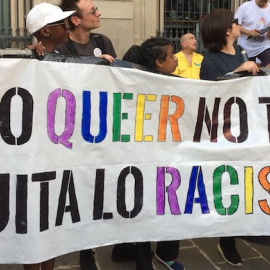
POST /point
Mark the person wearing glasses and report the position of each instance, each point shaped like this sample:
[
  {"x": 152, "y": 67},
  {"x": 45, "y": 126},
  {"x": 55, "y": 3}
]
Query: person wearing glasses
[
  {"x": 82, "y": 41},
  {"x": 49, "y": 24},
  {"x": 254, "y": 20},
  {"x": 219, "y": 32}
]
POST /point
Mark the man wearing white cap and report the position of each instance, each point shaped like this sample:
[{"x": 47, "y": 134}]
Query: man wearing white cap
[{"x": 49, "y": 24}]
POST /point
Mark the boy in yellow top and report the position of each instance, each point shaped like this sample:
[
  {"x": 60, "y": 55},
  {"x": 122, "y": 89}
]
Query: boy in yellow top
[{"x": 189, "y": 62}]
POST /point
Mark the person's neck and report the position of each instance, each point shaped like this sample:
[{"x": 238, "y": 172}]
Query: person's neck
[
  {"x": 188, "y": 52},
  {"x": 229, "y": 48},
  {"x": 265, "y": 6},
  {"x": 80, "y": 36},
  {"x": 48, "y": 46}
]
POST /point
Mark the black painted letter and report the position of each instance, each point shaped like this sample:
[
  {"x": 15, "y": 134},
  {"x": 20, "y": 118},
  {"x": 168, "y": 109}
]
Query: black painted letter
[{"x": 121, "y": 192}]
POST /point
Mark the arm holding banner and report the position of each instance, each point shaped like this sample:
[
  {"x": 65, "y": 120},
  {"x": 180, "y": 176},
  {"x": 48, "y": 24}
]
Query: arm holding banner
[
  {"x": 156, "y": 54},
  {"x": 48, "y": 23},
  {"x": 219, "y": 32},
  {"x": 249, "y": 66}
]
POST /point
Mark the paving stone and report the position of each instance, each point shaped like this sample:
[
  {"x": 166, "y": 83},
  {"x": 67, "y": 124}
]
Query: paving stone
[
  {"x": 68, "y": 262},
  {"x": 262, "y": 249},
  {"x": 195, "y": 254},
  {"x": 193, "y": 258},
  {"x": 11, "y": 267},
  {"x": 248, "y": 264}
]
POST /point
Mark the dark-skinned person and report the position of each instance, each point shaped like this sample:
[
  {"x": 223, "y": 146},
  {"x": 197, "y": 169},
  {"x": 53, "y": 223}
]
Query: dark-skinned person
[
  {"x": 157, "y": 55},
  {"x": 49, "y": 24}
]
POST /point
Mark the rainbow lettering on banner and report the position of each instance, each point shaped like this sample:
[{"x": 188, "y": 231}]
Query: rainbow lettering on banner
[{"x": 118, "y": 116}]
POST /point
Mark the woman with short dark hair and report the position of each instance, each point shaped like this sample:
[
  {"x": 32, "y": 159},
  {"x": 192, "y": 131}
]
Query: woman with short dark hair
[{"x": 219, "y": 32}]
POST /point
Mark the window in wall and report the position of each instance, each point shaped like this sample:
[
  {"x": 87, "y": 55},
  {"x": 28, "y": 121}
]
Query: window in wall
[{"x": 185, "y": 16}]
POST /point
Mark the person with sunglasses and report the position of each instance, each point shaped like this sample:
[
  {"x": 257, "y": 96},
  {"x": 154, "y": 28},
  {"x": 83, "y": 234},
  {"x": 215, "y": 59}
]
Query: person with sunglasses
[
  {"x": 254, "y": 20},
  {"x": 82, "y": 41},
  {"x": 219, "y": 32},
  {"x": 48, "y": 23}
]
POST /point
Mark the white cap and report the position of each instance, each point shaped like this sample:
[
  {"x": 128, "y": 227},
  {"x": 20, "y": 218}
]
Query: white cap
[{"x": 43, "y": 14}]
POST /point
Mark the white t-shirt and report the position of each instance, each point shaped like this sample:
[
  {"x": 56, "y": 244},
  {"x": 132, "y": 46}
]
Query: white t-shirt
[{"x": 250, "y": 16}]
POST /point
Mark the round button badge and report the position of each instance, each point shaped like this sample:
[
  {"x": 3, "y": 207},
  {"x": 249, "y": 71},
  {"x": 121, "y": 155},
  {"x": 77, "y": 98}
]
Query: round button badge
[{"x": 97, "y": 52}]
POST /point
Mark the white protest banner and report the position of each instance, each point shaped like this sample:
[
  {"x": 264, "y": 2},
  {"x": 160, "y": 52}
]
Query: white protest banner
[{"x": 94, "y": 155}]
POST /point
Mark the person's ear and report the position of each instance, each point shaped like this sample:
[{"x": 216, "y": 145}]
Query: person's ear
[
  {"x": 228, "y": 32},
  {"x": 44, "y": 32},
  {"x": 158, "y": 64},
  {"x": 75, "y": 20}
]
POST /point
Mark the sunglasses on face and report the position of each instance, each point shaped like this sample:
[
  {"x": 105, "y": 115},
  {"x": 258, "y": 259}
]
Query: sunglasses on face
[
  {"x": 56, "y": 23},
  {"x": 235, "y": 21}
]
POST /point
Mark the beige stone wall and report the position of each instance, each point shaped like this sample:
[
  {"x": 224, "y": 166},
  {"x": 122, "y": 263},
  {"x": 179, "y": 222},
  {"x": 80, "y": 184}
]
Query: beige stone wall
[
  {"x": 117, "y": 23},
  {"x": 55, "y": 2},
  {"x": 128, "y": 22}
]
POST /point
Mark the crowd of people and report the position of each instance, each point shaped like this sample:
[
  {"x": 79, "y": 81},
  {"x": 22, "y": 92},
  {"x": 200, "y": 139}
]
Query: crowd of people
[{"x": 67, "y": 29}]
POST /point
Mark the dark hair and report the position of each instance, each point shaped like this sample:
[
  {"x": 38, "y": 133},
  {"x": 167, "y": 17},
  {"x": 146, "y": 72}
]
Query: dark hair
[
  {"x": 67, "y": 5},
  {"x": 147, "y": 54},
  {"x": 153, "y": 49},
  {"x": 133, "y": 55},
  {"x": 214, "y": 28}
]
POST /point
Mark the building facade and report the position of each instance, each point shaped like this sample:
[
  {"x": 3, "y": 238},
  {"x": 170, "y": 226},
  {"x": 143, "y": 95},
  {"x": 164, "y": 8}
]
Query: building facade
[{"x": 126, "y": 22}]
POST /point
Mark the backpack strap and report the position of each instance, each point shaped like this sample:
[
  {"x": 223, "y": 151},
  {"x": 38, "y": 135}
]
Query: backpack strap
[
  {"x": 100, "y": 42},
  {"x": 71, "y": 47}
]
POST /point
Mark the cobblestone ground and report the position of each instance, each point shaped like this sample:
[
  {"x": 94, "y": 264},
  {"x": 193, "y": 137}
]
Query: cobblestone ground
[{"x": 196, "y": 254}]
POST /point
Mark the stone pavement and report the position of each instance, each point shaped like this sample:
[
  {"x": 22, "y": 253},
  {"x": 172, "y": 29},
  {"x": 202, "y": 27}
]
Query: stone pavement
[{"x": 195, "y": 254}]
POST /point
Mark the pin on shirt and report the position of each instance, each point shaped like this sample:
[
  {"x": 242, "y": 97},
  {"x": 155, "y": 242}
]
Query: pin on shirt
[{"x": 97, "y": 52}]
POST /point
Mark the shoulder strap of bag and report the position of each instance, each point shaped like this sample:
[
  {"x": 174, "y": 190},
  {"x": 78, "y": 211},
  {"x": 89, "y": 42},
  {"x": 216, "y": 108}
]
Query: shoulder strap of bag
[
  {"x": 71, "y": 47},
  {"x": 100, "y": 42}
]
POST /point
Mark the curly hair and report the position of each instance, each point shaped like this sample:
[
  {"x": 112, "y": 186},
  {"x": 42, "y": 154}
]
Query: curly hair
[
  {"x": 153, "y": 49},
  {"x": 133, "y": 55},
  {"x": 147, "y": 54}
]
